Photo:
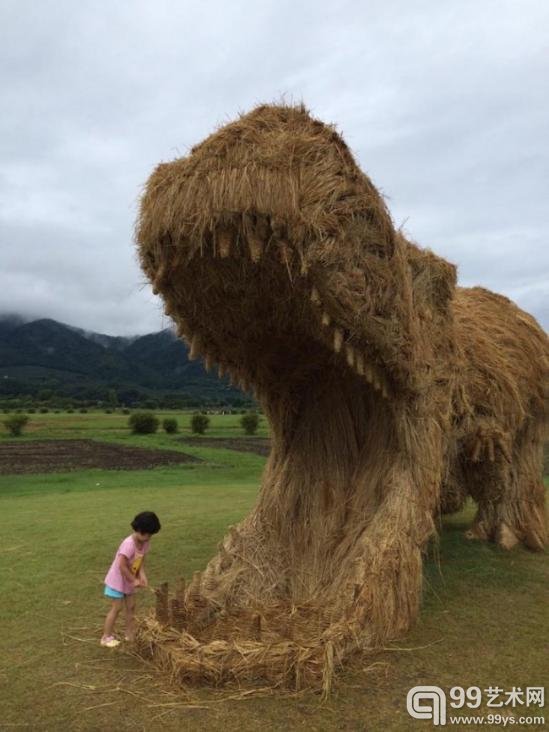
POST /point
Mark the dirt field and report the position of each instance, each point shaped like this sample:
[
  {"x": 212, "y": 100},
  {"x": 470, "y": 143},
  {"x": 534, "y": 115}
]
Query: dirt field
[
  {"x": 258, "y": 445},
  {"x": 51, "y": 456}
]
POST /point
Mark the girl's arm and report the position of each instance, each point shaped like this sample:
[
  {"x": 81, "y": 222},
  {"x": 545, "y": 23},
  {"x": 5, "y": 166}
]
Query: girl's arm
[
  {"x": 141, "y": 574},
  {"x": 123, "y": 563}
]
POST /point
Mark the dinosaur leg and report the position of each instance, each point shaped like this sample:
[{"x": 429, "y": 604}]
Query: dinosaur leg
[{"x": 510, "y": 494}]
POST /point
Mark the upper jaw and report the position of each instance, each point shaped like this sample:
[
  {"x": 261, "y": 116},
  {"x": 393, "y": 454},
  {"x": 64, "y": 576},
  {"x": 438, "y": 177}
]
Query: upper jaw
[{"x": 276, "y": 201}]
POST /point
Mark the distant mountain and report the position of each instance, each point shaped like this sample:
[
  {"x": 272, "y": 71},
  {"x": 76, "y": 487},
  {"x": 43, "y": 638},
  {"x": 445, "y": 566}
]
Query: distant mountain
[
  {"x": 10, "y": 321},
  {"x": 47, "y": 356},
  {"x": 117, "y": 343}
]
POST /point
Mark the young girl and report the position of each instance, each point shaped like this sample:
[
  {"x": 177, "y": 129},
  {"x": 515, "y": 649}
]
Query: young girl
[{"x": 126, "y": 573}]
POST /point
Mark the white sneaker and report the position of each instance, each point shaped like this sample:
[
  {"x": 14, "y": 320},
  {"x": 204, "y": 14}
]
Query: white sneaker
[{"x": 109, "y": 641}]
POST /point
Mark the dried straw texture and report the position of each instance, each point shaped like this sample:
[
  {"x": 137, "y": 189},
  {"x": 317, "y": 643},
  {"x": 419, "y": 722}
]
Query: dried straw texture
[{"x": 391, "y": 393}]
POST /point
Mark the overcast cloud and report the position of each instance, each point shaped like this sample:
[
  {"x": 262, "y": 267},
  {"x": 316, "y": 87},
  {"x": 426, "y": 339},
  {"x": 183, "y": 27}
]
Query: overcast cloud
[{"x": 444, "y": 104}]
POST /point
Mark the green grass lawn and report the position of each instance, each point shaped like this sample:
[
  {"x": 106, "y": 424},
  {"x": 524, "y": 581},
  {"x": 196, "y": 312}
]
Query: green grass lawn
[{"x": 483, "y": 621}]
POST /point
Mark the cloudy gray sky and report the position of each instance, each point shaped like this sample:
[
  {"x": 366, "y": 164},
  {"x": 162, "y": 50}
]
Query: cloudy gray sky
[{"x": 444, "y": 104}]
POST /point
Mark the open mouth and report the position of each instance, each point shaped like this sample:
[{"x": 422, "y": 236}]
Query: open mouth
[{"x": 250, "y": 307}]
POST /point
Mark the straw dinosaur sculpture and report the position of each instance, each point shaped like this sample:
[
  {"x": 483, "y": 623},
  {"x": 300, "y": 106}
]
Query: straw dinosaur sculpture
[{"x": 392, "y": 395}]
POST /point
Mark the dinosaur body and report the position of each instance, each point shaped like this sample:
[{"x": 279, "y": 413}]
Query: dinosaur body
[{"x": 391, "y": 394}]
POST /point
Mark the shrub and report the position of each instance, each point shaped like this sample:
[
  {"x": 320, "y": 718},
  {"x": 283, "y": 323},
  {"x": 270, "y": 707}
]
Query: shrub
[
  {"x": 70, "y": 411},
  {"x": 143, "y": 423},
  {"x": 32, "y": 410},
  {"x": 199, "y": 423},
  {"x": 250, "y": 422},
  {"x": 125, "y": 411},
  {"x": 44, "y": 410},
  {"x": 108, "y": 411},
  {"x": 83, "y": 410},
  {"x": 15, "y": 424},
  {"x": 170, "y": 425}
]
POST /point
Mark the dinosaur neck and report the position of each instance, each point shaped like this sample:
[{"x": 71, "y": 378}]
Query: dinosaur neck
[{"x": 325, "y": 477}]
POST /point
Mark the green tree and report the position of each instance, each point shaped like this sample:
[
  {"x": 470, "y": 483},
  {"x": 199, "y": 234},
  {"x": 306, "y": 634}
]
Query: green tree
[
  {"x": 170, "y": 425},
  {"x": 250, "y": 423},
  {"x": 15, "y": 424},
  {"x": 143, "y": 423},
  {"x": 199, "y": 423}
]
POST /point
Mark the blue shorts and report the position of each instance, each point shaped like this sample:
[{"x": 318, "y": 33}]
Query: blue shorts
[{"x": 113, "y": 594}]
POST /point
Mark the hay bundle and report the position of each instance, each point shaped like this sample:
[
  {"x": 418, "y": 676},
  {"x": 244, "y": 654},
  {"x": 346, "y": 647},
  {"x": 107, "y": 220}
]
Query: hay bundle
[{"x": 391, "y": 394}]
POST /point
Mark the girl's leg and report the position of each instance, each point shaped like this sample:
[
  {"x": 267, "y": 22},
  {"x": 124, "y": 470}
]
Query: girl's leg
[
  {"x": 110, "y": 620},
  {"x": 129, "y": 602}
]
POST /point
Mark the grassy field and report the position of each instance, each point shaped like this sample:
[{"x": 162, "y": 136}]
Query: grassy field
[{"x": 483, "y": 622}]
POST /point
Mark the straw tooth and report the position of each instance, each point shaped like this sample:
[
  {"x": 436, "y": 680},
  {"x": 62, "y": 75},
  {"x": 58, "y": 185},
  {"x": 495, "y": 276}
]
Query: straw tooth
[
  {"x": 224, "y": 244},
  {"x": 285, "y": 252},
  {"x": 338, "y": 339},
  {"x": 169, "y": 309},
  {"x": 221, "y": 370},
  {"x": 195, "y": 347},
  {"x": 315, "y": 297},
  {"x": 208, "y": 362},
  {"x": 368, "y": 373},
  {"x": 359, "y": 364},
  {"x": 256, "y": 249},
  {"x": 476, "y": 450},
  {"x": 350, "y": 353},
  {"x": 157, "y": 282},
  {"x": 325, "y": 318}
]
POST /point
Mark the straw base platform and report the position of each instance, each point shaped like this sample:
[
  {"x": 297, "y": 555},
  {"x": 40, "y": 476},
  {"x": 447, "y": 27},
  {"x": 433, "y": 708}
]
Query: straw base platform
[
  {"x": 392, "y": 395},
  {"x": 251, "y": 649}
]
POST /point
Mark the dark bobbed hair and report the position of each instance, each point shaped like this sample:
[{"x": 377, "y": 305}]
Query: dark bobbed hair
[{"x": 146, "y": 522}]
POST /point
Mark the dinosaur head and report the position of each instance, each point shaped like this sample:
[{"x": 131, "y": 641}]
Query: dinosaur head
[{"x": 277, "y": 258}]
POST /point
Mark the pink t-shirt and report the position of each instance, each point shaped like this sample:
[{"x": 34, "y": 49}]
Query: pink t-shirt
[{"x": 114, "y": 577}]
